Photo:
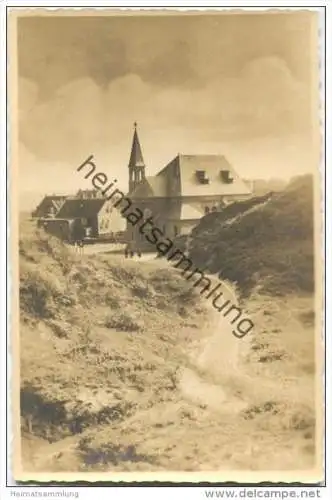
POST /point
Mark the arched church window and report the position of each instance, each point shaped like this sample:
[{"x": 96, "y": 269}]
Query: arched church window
[{"x": 207, "y": 210}]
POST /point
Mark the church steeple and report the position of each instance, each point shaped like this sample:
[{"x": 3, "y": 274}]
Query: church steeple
[{"x": 136, "y": 163}]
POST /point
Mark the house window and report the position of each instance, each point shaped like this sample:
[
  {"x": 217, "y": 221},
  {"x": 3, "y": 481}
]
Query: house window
[
  {"x": 206, "y": 210},
  {"x": 214, "y": 209},
  {"x": 51, "y": 212},
  {"x": 176, "y": 231},
  {"x": 226, "y": 176},
  {"x": 147, "y": 213},
  {"x": 84, "y": 221},
  {"x": 202, "y": 177}
]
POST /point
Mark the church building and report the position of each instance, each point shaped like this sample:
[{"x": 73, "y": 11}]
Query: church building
[{"x": 182, "y": 192}]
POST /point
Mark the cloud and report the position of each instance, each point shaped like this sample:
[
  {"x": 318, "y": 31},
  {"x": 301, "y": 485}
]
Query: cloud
[
  {"x": 264, "y": 99},
  {"x": 176, "y": 50},
  {"x": 27, "y": 96},
  {"x": 238, "y": 85},
  {"x": 265, "y": 104}
]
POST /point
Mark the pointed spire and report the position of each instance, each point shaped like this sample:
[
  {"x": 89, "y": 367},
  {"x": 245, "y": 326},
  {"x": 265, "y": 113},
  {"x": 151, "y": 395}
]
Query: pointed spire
[{"x": 136, "y": 157}]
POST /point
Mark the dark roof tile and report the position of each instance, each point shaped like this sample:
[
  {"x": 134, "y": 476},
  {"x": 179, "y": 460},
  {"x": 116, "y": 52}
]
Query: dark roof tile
[{"x": 76, "y": 208}]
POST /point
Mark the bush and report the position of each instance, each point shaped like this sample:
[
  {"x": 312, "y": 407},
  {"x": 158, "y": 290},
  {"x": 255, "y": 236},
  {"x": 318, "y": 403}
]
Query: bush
[
  {"x": 123, "y": 321},
  {"x": 38, "y": 291}
]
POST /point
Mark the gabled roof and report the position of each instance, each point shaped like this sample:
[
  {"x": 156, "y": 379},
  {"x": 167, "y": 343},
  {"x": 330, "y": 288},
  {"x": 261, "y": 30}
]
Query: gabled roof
[
  {"x": 49, "y": 200},
  {"x": 58, "y": 202},
  {"x": 182, "y": 171},
  {"x": 77, "y": 208},
  {"x": 136, "y": 156},
  {"x": 157, "y": 185}
]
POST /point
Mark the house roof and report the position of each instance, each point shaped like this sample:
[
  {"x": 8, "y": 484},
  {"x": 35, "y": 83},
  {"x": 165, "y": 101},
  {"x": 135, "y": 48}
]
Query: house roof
[
  {"x": 76, "y": 208},
  {"x": 55, "y": 200},
  {"x": 212, "y": 166},
  {"x": 56, "y": 196},
  {"x": 58, "y": 202}
]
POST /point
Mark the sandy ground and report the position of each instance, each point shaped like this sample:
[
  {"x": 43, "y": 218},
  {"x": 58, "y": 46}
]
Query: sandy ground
[
  {"x": 99, "y": 248},
  {"x": 243, "y": 413},
  {"x": 111, "y": 248}
]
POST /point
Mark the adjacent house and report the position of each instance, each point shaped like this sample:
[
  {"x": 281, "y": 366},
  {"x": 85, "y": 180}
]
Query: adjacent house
[
  {"x": 92, "y": 218},
  {"x": 97, "y": 216}
]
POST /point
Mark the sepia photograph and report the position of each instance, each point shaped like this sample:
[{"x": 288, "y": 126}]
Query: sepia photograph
[{"x": 167, "y": 180}]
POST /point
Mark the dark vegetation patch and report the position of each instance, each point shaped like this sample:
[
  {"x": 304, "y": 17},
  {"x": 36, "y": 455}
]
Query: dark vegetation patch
[
  {"x": 51, "y": 419},
  {"x": 264, "y": 242},
  {"x": 111, "y": 454}
]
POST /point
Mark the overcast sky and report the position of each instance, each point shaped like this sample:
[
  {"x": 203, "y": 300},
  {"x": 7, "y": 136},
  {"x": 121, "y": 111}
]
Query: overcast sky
[{"x": 239, "y": 85}]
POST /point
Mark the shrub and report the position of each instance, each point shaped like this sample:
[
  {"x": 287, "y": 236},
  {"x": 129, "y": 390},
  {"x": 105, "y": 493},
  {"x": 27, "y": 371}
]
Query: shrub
[
  {"x": 38, "y": 291},
  {"x": 123, "y": 321}
]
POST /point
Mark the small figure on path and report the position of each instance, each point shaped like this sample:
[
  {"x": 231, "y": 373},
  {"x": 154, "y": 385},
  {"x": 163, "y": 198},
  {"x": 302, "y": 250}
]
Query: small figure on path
[{"x": 79, "y": 235}]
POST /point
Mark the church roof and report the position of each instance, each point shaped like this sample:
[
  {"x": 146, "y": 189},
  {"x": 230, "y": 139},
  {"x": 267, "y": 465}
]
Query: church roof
[
  {"x": 212, "y": 165},
  {"x": 184, "y": 170},
  {"x": 136, "y": 156},
  {"x": 152, "y": 186},
  {"x": 157, "y": 185}
]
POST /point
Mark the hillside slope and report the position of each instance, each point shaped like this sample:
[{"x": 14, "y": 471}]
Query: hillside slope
[
  {"x": 96, "y": 334},
  {"x": 265, "y": 241},
  {"x": 124, "y": 368}
]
